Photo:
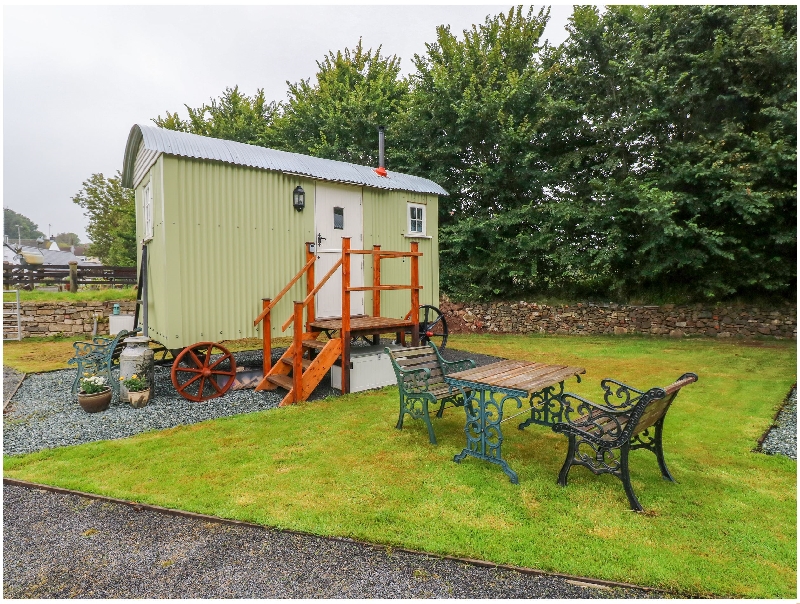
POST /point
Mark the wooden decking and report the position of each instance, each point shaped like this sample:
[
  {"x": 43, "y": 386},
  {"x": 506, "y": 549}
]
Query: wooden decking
[{"x": 361, "y": 324}]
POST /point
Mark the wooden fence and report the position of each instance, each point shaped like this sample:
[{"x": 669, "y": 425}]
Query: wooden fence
[{"x": 54, "y": 274}]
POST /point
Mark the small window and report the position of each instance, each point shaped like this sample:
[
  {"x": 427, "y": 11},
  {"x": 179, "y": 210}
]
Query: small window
[
  {"x": 338, "y": 218},
  {"x": 147, "y": 206},
  {"x": 416, "y": 219}
]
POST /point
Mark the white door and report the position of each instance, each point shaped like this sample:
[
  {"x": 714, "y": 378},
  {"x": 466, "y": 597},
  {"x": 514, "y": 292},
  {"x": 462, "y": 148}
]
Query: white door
[{"x": 338, "y": 213}]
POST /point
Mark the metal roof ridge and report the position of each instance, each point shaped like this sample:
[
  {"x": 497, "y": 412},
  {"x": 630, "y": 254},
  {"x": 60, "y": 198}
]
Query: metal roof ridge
[{"x": 187, "y": 144}]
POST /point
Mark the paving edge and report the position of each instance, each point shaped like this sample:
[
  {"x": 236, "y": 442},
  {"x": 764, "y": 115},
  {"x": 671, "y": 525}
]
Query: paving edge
[
  {"x": 587, "y": 581},
  {"x": 6, "y": 403}
]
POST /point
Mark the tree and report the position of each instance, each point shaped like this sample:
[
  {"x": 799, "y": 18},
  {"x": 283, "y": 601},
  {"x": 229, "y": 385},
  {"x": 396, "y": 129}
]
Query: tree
[
  {"x": 112, "y": 219},
  {"x": 674, "y": 138},
  {"x": 67, "y": 239},
  {"x": 234, "y": 116},
  {"x": 337, "y": 117},
  {"x": 473, "y": 125},
  {"x": 27, "y": 228}
]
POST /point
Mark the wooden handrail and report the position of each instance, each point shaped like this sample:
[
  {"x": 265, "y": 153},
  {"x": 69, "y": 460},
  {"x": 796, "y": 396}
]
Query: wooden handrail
[
  {"x": 284, "y": 290},
  {"x": 368, "y": 288},
  {"x": 313, "y": 292},
  {"x": 387, "y": 254}
]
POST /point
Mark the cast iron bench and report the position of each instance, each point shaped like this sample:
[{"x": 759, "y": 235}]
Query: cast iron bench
[
  {"x": 420, "y": 375},
  {"x": 98, "y": 356},
  {"x": 601, "y": 436}
]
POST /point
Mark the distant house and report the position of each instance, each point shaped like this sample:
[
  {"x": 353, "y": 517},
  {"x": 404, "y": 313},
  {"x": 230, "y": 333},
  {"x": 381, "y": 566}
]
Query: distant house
[{"x": 50, "y": 256}]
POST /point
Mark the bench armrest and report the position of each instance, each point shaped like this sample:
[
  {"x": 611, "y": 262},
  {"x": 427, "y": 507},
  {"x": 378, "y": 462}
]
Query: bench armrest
[
  {"x": 452, "y": 366},
  {"x": 627, "y": 396},
  {"x": 449, "y": 367},
  {"x": 591, "y": 420}
]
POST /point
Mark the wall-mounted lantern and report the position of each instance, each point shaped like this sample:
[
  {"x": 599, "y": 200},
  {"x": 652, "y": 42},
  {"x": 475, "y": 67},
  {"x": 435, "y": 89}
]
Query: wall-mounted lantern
[{"x": 299, "y": 198}]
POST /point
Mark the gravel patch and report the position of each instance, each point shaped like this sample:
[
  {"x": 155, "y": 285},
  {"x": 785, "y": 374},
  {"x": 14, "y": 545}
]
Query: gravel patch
[
  {"x": 781, "y": 439},
  {"x": 65, "y": 546},
  {"x": 43, "y": 413}
]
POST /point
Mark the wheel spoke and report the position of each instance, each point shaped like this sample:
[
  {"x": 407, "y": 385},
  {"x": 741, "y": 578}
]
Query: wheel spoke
[
  {"x": 219, "y": 360},
  {"x": 194, "y": 356},
  {"x": 213, "y": 382},
  {"x": 191, "y": 381},
  {"x": 223, "y": 373},
  {"x": 189, "y": 369}
]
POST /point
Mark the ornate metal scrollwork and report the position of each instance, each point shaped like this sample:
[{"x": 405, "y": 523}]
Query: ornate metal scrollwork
[
  {"x": 416, "y": 381},
  {"x": 628, "y": 395},
  {"x": 484, "y": 414},
  {"x": 547, "y": 408}
]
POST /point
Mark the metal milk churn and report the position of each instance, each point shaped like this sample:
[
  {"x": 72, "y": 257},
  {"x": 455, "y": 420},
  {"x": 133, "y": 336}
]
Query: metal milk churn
[{"x": 136, "y": 358}]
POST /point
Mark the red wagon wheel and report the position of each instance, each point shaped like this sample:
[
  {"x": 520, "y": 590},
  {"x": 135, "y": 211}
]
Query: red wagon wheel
[{"x": 203, "y": 371}]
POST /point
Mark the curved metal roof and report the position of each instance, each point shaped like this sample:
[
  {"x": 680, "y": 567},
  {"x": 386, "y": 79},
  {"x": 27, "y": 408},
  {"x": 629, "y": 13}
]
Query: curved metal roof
[{"x": 184, "y": 144}]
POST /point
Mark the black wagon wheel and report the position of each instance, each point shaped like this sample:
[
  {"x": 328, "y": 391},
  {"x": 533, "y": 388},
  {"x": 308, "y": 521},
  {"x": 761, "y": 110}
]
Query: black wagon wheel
[
  {"x": 203, "y": 371},
  {"x": 432, "y": 327}
]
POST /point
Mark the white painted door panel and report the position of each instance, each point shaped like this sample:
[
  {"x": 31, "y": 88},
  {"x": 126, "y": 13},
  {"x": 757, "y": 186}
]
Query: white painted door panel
[{"x": 337, "y": 214}]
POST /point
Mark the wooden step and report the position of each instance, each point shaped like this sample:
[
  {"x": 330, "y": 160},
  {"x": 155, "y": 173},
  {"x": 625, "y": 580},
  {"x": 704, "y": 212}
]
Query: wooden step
[
  {"x": 290, "y": 362},
  {"x": 284, "y": 381},
  {"x": 315, "y": 344}
]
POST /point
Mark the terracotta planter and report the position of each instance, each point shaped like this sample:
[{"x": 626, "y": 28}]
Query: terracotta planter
[
  {"x": 92, "y": 403},
  {"x": 139, "y": 399}
]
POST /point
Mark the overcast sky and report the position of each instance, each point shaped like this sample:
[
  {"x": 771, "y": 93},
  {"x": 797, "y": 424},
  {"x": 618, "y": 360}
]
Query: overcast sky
[{"x": 75, "y": 79}]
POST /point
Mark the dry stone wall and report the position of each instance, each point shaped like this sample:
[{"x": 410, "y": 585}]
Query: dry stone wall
[
  {"x": 52, "y": 318},
  {"x": 722, "y": 321}
]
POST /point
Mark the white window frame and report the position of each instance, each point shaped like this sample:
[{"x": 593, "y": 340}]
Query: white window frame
[
  {"x": 409, "y": 232},
  {"x": 147, "y": 209}
]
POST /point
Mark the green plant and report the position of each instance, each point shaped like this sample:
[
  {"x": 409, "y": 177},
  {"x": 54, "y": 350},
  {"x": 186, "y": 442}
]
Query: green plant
[
  {"x": 135, "y": 383},
  {"x": 93, "y": 384}
]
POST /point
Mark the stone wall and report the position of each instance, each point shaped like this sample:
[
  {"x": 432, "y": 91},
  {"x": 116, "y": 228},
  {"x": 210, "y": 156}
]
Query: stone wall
[
  {"x": 52, "y": 318},
  {"x": 721, "y": 321}
]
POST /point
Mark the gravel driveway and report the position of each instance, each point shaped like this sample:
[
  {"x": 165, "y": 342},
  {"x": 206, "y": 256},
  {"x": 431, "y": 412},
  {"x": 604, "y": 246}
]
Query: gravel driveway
[{"x": 65, "y": 546}]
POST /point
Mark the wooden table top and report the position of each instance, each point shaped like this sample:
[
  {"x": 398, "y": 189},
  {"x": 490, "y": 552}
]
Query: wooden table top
[{"x": 518, "y": 375}]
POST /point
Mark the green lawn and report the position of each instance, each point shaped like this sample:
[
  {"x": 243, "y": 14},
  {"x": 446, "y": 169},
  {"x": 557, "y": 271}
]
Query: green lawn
[
  {"x": 338, "y": 467},
  {"x": 82, "y": 295}
]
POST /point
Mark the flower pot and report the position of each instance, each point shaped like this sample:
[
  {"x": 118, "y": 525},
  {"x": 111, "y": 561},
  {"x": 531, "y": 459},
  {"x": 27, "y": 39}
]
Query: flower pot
[
  {"x": 92, "y": 403},
  {"x": 139, "y": 399}
]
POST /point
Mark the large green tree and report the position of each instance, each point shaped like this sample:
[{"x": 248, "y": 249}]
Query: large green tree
[
  {"x": 234, "y": 116},
  {"x": 474, "y": 125},
  {"x": 651, "y": 155},
  {"x": 112, "y": 219},
  {"x": 674, "y": 142},
  {"x": 27, "y": 228},
  {"x": 337, "y": 116}
]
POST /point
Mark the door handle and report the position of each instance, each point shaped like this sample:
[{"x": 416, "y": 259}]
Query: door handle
[{"x": 320, "y": 239}]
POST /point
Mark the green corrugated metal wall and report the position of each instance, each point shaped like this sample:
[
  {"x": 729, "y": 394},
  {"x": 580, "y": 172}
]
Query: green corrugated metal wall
[
  {"x": 228, "y": 236},
  {"x": 385, "y": 222}
]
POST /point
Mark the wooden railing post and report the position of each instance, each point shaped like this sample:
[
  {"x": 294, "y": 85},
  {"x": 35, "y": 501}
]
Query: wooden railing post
[
  {"x": 415, "y": 295},
  {"x": 345, "y": 332},
  {"x": 297, "y": 359},
  {"x": 73, "y": 277},
  {"x": 376, "y": 280},
  {"x": 266, "y": 336},
  {"x": 310, "y": 256}
]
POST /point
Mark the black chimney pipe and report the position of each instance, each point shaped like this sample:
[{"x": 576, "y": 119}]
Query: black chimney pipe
[{"x": 381, "y": 147}]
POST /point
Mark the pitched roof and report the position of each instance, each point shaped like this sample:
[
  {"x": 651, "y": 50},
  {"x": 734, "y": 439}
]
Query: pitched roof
[{"x": 154, "y": 141}]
